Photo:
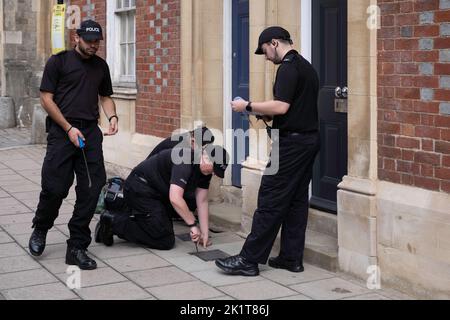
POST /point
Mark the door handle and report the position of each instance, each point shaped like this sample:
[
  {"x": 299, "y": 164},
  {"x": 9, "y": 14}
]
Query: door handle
[
  {"x": 344, "y": 93},
  {"x": 338, "y": 92}
]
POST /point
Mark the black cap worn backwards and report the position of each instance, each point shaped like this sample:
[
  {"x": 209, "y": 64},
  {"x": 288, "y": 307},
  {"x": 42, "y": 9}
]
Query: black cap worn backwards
[
  {"x": 220, "y": 158},
  {"x": 272, "y": 33},
  {"x": 90, "y": 30},
  {"x": 202, "y": 136}
]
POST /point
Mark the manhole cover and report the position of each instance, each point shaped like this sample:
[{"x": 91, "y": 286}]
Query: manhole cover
[
  {"x": 184, "y": 236},
  {"x": 210, "y": 255}
]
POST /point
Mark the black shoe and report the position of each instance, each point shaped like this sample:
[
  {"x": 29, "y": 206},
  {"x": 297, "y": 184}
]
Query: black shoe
[
  {"x": 103, "y": 230},
  {"x": 37, "y": 242},
  {"x": 280, "y": 263},
  {"x": 79, "y": 257},
  {"x": 238, "y": 265}
]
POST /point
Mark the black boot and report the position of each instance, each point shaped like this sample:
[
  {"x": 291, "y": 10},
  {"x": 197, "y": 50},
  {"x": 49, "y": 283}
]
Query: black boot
[
  {"x": 80, "y": 258},
  {"x": 290, "y": 265},
  {"x": 103, "y": 230},
  {"x": 37, "y": 242}
]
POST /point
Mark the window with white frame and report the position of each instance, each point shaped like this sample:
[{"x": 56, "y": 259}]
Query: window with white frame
[{"x": 123, "y": 57}]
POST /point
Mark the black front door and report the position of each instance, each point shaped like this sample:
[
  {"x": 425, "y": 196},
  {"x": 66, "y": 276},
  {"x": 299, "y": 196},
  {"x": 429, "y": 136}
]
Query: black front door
[
  {"x": 241, "y": 71},
  {"x": 330, "y": 60}
]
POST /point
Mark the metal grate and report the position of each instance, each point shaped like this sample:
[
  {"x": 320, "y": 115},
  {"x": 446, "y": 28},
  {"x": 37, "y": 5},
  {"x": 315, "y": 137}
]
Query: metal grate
[
  {"x": 184, "y": 237},
  {"x": 210, "y": 255}
]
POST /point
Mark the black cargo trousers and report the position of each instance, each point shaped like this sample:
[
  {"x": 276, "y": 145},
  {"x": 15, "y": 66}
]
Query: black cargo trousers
[
  {"x": 62, "y": 160},
  {"x": 283, "y": 201},
  {"x": 150, "y": 223}
]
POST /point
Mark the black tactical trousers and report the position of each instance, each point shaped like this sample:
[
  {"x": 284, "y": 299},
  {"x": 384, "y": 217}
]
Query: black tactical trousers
[
  {"x": 62, "y": 161},
  {"x": 149, "y": 223},
  {"x": 283, "y": 201}
]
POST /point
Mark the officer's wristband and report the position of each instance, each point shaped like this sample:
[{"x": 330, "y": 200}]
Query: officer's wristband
[
  {"x": 192, "y": 225},
  {"x": 71, "y": 127},
  {"x": 114, "y": 116}
]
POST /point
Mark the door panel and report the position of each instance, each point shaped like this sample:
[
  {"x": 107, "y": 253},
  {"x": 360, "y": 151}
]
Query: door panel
[
  {"x": 330, "y": 61},
  {"x": 241, "y": 71}
]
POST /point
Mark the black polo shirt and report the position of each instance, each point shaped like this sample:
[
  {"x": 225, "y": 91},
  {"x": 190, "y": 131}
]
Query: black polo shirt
[
  {"x": 160, "y": 172},
  {"x": 297, "y": 83},
  {"x": 180, "y": 140},
  {"x": 76, "y": 84}
]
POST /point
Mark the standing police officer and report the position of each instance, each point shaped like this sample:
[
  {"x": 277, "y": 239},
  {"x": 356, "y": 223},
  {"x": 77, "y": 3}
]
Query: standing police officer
[
  {"x": 70, "y": 89},
  {"x": 283, "y": 197}
]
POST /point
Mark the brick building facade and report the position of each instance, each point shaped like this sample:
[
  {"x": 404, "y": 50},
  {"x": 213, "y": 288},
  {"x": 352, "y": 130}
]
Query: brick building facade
[{"x": 414, "y": 93}]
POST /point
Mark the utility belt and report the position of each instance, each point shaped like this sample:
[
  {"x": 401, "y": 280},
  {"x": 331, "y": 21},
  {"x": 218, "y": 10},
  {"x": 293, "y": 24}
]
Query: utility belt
[
  {"x": 77, "y": 123},
  {"x": 287, "y": 133}
]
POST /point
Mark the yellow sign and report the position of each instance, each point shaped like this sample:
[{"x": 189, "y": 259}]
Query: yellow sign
[{"x": 58, "y": 28}]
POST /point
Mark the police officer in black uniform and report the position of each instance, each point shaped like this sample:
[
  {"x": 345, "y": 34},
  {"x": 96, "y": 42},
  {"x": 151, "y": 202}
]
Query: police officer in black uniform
[
  {"x": 283, "y": 198},
  {"x": 156, "y": 186},
  {"x": 71, "y": 86},
  {"x": 194, "y": 139}
]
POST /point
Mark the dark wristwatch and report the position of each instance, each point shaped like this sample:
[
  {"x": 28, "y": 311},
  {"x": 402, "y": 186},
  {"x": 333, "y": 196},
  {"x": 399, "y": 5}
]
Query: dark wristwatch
[
  {"x": 192, "y": 225},
  {"x": 249, "y": 107}
]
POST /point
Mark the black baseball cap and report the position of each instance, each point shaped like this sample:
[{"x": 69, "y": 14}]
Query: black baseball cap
[
  {"x": 272, "y": 33},
  {"x": 203, "y": 136},
  {"x": 220, "y": 159},
  {"x": 90, "y": 30}
]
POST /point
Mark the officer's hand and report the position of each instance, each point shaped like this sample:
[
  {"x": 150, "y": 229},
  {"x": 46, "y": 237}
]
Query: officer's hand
[
  {"x": 204, "y": 243},
  {"x": 195, "y": 234},
  {"x": 239, "y": 105},
  {"x": 73, "y": 134},
  {"x": 113, "y": 127}
]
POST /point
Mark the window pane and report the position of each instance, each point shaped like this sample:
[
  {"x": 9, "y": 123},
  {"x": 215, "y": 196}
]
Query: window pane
[
  {"x": 131, "y": 24},
  {"x": 123, "y": 28},
  {"x": 123, "y": 59},
  {"x": 133, "y": 3},
  {"x": 119, "y": 4},
  {"x": 126, "y": 3},
  {"x": 131, "y": 60}
]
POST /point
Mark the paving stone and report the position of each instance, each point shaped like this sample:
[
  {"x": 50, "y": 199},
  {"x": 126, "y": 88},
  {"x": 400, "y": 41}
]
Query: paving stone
[
  {"x": 4, "y": 238},
  {"x": 221, "y": 298},
  {"x": 135, "y": 263},
  {"x": 119, "y": 250},
  {"x": 296, "y": 297},
  {"x": 53, "y": 251},
  {"x": 191, "y": 263},
  {"x": 19, "y": 263},
  {"x": 4, "y": 194},
  {"x": 368, "y": 296},
  {"x": 181, "y": 249},
  {"x": 54, "y": 291},
  {"x": 217, "y": 278},
  {"x": 11, "y": 250},
  {"x": 194, "y": 290},
  {"x": 230, "y": 248},
  {"x": 17, "y": 218},
  {"x": 27, "y": 195},
  {"x": 159, "y": 277},
  {"x": 257, "y": 290},
  {"x": 25, "y": 279},
  {"x": 18, "y": 228},
  {"x": 287, "y": 278},
  {"x": 99, "y": 276},
  {"x": 53, "y": 237},
  {"x": 59, "y": 266},
  {"x": 22, "y": 188},
  {"x": 116, "y": 291},
  {"x": 329, "y": 289},
  {"x": 22, "y": 164}
]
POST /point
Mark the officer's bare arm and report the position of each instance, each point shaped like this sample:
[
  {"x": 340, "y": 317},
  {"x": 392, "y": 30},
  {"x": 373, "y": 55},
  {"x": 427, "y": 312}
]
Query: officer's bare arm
[
  {"x": 53, "y": 111},
  {"x": 201, "y": 198},
  {"x": 180, "y": 205},
  {"x": 268, "y": 108},
  {"x": 108, "y": 105}
]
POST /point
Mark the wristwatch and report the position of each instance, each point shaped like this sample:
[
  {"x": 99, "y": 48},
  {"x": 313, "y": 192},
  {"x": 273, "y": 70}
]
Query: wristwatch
[
  {"x": 249, "y": 107},
  {"x": 192, "y": 225}
]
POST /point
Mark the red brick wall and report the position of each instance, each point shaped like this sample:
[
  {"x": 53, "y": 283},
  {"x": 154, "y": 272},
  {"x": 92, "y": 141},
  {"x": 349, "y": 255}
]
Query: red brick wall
[
  {"x": 414, "y": 93},
  {"x": 158, "y": 67}
]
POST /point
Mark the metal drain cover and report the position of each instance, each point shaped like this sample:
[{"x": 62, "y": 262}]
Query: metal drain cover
[
  {"x": 210, "y": 255},
  {"x": 184, "y": 236}
]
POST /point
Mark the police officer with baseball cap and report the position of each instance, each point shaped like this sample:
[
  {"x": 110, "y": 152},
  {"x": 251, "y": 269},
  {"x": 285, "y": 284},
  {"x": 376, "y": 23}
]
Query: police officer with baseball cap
[
  {"x": 156, "y": 187},
  {"x": 283, "y": 197},
  {"x": 71, "y": 86}
]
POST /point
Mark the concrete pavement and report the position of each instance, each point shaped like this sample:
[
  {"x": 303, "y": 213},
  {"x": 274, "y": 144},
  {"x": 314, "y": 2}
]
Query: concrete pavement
[{"x": 127, "y": 271}]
